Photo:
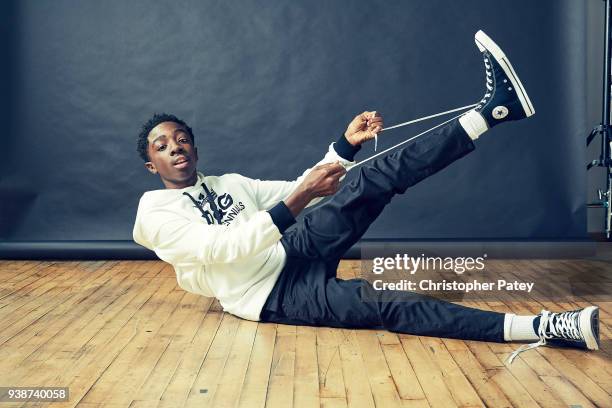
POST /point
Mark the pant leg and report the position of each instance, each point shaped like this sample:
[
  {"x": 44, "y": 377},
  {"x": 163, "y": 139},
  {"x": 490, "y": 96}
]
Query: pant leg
[
  {"x": 305, "y": 295},
  {"x": 330, "y": 230}
]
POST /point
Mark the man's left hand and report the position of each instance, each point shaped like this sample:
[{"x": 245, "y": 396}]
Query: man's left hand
[{"x": 364, "y": 127}]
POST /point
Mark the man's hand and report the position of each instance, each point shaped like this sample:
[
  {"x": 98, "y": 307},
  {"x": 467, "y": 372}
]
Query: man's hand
[
  {"x": 364, "y": 127},
  {"x": 323, "y": 180}
]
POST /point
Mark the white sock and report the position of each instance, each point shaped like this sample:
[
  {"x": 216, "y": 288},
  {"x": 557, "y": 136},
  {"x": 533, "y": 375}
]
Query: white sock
[
  {"x": 474, "y": 124},
  {"x": 519, "y": 328}
]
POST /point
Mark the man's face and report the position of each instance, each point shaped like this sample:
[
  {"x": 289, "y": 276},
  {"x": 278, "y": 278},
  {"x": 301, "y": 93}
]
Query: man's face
[{"x": 172, "y": 155}]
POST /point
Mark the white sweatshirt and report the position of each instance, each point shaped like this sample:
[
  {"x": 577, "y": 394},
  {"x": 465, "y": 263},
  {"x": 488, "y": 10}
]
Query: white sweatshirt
[{"x": 238, "y": 259}]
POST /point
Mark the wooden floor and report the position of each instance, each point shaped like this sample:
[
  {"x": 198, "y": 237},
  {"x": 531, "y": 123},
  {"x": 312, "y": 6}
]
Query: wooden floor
[{"x": 122, "y": 334}]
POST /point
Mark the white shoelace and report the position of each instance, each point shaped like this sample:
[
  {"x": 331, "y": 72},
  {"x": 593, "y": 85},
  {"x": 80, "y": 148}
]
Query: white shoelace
[
  {"x": 410, "y": 122},
  {"x": 482, "y": 102},
  {"x": 565, "y": 326},
  {"x": 489, "y": 83},
  {"x": 463, "y": 108}
]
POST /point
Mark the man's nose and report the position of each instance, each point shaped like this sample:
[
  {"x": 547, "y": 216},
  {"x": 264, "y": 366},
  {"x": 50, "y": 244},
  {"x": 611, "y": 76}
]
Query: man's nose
[{"x": 176, "y": 149}]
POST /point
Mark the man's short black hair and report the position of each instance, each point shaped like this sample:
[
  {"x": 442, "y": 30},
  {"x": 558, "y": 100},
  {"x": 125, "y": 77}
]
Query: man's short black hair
[{"x": 155, "y": 120}]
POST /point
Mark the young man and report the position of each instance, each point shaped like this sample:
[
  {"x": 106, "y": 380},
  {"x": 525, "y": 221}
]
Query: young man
[{"x": 229, "y": 236}]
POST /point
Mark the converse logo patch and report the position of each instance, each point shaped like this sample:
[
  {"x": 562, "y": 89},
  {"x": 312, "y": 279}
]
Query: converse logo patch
[{"x": 500, "y": 112}]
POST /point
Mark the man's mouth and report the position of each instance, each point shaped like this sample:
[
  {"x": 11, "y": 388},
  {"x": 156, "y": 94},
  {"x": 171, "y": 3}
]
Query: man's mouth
[{"x": 181, "y": 162}]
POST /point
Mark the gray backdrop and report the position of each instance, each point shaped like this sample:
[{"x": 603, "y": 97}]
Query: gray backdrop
[{"x": 267, "y": 85}]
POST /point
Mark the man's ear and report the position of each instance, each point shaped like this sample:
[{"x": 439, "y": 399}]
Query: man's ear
[{"x": 151, "y": 167}]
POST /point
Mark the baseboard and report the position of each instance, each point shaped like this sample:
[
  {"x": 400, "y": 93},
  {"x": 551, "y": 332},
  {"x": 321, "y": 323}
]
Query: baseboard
[
  {"x": 492, "y": 249},
  {"x": 74, "y": 250}
]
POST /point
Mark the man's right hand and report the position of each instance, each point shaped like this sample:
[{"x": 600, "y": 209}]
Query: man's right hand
[{"x": 323, "y": 180}]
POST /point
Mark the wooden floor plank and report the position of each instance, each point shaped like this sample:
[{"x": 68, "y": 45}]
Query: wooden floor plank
[
  {"x": 478, "y": 376},
  {"x": 206, "y": 382},
  {"x": 306, "y": 368},
  {"x": 571, "y": 372},
  {"x": 331, "y": 379},
  {"x": 154, "y": 346},
  {"x": 63, "y": 325},
  {"x": 379, "y": 375},
  {"x": 533, "y": 384},
  {"x": 526, "y": 373},
  {"x": 123, "y": 334},
  {"x": 107, "y": 344},
  {"x": 402, "y": 373},
  {"x": 579, "y": 377},
  {"x": 153, "y": 313},
  {"x": 181, "y": 336},
  {"x": 430, "y": 377},
  {"x": 584, "y": 377},
  {"x": 333, "y": 403},
  {"x": 18, "y": 276},
  {"x": 255, "y": 387},
  {"x": 512, "y": 389},
  {"x": 358, "y": 389},
  {"x": 459, "y": 386},
  {"x": 281, "y": 385},
  {"x": 567, "y": 392},
  {"x": 35, "y": 291},
  {"x": 40, "y": 305},
  {"x": 63, "y": 310},
  {"x": 231, "y": 380},
  {"x": 181, "y": 383}
]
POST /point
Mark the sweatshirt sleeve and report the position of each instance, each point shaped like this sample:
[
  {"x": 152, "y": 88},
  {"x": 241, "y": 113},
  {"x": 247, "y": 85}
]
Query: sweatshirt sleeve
[
  {"x": 269, "y": 193},
  {"x": 176, "y": 239}
]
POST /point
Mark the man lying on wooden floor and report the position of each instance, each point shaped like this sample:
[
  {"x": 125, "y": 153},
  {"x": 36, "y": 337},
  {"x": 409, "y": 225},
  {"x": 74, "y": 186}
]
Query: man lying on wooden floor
[{"x": 229, "y": 236}]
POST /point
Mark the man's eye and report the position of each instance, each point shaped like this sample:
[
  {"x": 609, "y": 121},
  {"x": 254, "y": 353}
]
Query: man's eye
[
  {"x": 160, "y": 148},
  {"x": 183, "y": 140}
]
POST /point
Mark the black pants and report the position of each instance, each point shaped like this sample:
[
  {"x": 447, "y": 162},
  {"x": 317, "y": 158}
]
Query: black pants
[{"x": 308, "y": 292}]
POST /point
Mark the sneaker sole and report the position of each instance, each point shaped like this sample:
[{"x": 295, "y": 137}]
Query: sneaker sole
[
  {"x": 586, "y": 316},
  {"x": 484, "y": 42}
]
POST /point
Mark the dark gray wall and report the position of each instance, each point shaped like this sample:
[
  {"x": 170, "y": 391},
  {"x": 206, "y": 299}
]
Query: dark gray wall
[{"x": 267, "y": 85}]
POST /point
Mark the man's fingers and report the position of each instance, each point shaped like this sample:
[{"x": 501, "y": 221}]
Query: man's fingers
[
  {"x": 330, "y": 164},
  {"x": 374, "y": 126},
  {"x": 334, "y": 179},
  {"x": 362, "y": 117},
  {"x": 335, "y": 164},
  {"x": 369, "y": 115},
  {"x": 375, "y": 120},
  {"x": 334, "y": 185},
  {"x": 331, "y": 169},
  {"x": 336, "y": 169}
]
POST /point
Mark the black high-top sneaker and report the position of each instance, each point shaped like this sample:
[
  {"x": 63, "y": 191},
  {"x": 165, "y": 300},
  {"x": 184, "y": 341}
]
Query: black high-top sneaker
[
  {"x": 505, "y": 98},
  {"x": 576, "y": 328}
]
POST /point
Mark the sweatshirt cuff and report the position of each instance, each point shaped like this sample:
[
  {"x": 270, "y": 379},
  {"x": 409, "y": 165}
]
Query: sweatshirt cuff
[
  {"x": 346, "y": 150},
  {"x": 281, "y": 216}
]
